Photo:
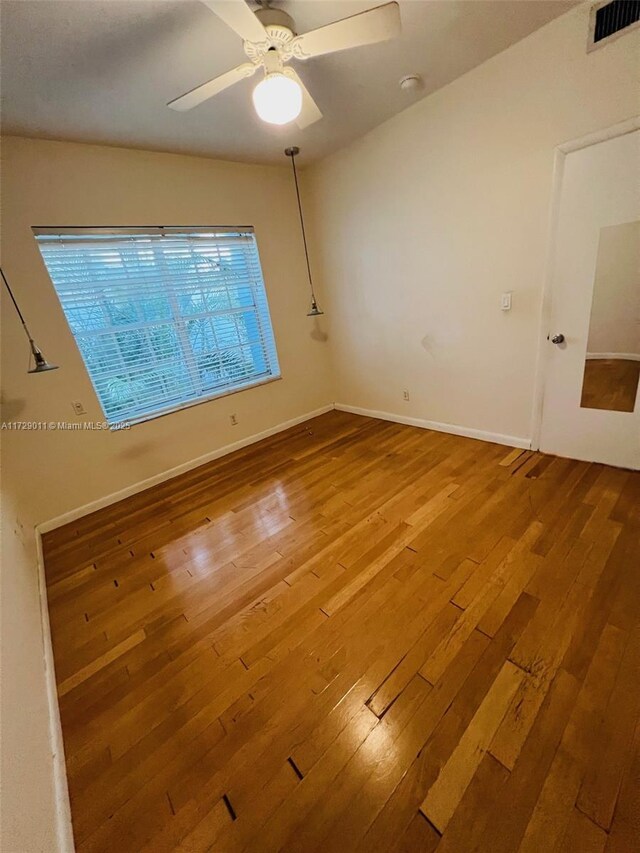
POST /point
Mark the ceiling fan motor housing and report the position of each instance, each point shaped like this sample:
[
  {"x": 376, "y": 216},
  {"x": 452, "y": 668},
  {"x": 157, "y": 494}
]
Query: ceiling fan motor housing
[
  {"x": 275, "y": 19},
  {"x": 280, "y": 32}
]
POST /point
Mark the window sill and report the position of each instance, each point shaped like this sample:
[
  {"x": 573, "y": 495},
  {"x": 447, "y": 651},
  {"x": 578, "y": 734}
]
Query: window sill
[{"x": 117, "y": 426}]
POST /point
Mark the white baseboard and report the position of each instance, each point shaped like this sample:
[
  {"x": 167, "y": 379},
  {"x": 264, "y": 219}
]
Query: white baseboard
[
  {"x": 622, "y": 356},
  {"x": 64, "y": 829},
  {"x": 128, "y": 491},
  {"x": 114, "y": 497},
  {"x": 454, "y": 429}
]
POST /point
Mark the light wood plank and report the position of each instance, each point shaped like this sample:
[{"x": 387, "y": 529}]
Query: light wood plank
[{"x": 445, "y": 794}]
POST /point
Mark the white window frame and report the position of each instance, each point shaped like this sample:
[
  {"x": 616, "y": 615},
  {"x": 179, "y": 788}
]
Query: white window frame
[{"x": 176, "y": 321}]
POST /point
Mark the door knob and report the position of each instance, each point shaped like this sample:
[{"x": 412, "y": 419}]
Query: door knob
[{"x": 557, "y": 339}]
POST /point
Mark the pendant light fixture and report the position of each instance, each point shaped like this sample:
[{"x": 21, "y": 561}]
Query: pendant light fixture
[
  {"x": 40, "y": 362},
  {"x": 314, "y": 311}
]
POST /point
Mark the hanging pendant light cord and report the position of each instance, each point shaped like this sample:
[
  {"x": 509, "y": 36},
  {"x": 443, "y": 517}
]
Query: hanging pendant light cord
[
  {"x": 290, "y": 152},
  {"x": 13, "y": 299}
]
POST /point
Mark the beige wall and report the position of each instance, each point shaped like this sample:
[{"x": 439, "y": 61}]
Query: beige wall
[
  {"x": 28, "y": 815},
  {"x": 615, "y": 308},
  {"x": 49, "y": 473},
  {"x": 53, "y": 183},
  {"x": 422, "y": 224}
]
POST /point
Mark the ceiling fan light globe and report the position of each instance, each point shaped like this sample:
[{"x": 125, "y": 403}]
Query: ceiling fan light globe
[{"x": 277, "y": 99}]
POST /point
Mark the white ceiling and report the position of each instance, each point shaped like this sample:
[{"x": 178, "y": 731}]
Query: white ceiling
[{"x": 102, "y": 70}]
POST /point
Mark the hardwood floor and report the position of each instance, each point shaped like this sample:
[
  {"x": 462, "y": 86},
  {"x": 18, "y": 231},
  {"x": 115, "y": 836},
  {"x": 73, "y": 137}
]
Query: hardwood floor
[
  {"x": 610, "y": 384},
  {"x": 355, "y": 636}
]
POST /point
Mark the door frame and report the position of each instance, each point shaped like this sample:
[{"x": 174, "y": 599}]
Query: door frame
[{"x": 542, "y": 361}]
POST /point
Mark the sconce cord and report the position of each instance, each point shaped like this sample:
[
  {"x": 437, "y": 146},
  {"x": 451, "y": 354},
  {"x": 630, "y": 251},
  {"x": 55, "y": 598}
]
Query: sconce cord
[
  {"x": 13, "y": 299},
  {"x": 304, "y": 235}
]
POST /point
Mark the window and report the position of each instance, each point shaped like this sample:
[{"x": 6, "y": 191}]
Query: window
[{"x": 163, "y": 318}]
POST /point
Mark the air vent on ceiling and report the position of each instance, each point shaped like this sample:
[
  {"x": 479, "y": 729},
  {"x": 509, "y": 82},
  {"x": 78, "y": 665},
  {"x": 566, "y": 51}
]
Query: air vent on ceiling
[{"x": 608, "y": 19}]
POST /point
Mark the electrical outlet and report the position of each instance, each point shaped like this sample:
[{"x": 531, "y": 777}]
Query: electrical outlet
[
  {"x": 405, "y": 396},
  {"x": 234, "y": 420},
  {"x": 78, "y": 407}
]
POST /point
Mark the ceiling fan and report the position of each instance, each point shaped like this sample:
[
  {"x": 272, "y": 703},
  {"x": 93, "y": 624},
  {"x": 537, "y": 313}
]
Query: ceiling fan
[{"x": 270, "y": 41}]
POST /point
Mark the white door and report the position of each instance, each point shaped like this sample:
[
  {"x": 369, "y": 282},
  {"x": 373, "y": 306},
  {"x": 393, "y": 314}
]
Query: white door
[{"x": 591, "y": 406}]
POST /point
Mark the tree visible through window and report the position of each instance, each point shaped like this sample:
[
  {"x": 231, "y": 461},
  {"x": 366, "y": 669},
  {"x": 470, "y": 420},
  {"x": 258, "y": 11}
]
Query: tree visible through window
[{"x": 163, "y": 318}]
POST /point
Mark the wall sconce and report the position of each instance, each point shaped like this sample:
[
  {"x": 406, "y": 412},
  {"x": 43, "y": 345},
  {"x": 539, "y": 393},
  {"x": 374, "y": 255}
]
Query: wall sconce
[{"x": 40, "y": 362}]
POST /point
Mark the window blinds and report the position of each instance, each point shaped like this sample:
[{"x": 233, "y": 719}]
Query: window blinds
[{"x": 163, "y": 318}]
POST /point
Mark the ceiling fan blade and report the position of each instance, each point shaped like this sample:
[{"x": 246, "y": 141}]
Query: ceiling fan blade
[
  {"x": 237, "y": 15},
  {"x": 310, "y": 111},
  {"x": 368, "y": 27},
  {"x": 207, "y": 90}
]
